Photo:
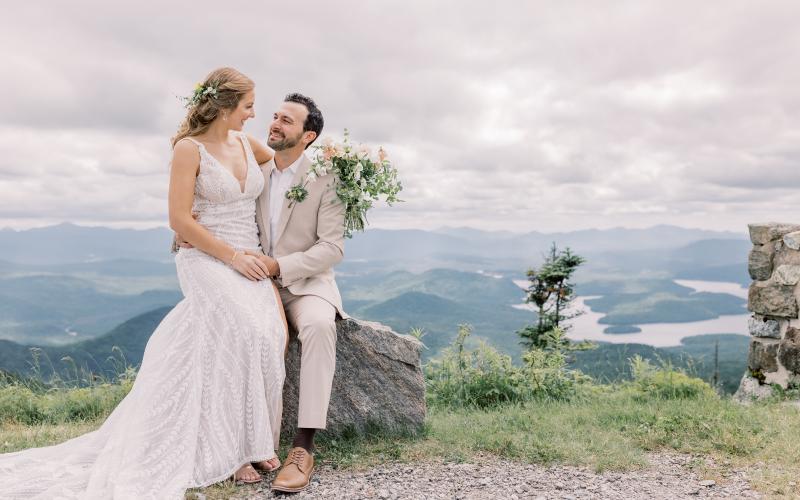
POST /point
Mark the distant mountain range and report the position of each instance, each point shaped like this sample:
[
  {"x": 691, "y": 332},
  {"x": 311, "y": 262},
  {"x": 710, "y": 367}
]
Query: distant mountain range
[
  {"x": 65, "y": 283},
  {"x": 105, "y": 290},
  {"x": 53, "y": 309},
  {"x": 108, "y": 355},
  {"x": 69, "y": 243}
]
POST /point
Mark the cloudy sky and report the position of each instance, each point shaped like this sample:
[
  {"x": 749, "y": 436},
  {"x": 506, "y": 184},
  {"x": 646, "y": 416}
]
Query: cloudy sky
[{"x": 518, "y": 115}]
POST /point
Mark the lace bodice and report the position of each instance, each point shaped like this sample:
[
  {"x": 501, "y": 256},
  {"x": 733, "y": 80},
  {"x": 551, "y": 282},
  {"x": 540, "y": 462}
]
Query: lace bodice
[{"x": 222, "y": 208}]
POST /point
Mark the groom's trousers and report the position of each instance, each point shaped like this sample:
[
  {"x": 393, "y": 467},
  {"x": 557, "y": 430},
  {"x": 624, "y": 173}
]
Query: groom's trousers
[{"x": 314, "y": 319}]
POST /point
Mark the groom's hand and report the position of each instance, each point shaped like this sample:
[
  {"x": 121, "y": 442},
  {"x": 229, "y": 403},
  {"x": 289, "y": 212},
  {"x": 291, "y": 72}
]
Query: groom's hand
[
  {"x": 179, "y": 241},
  {"x": 272, "y": 264}
]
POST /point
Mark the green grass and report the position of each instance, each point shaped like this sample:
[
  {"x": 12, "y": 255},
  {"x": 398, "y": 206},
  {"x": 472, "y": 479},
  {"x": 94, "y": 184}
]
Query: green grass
[{"x": 605, "y": 429}]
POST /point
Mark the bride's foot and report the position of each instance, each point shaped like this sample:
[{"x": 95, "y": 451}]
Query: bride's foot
[
  {"x": 268, "y": 465},
  {"x": 247, "y": 474}
]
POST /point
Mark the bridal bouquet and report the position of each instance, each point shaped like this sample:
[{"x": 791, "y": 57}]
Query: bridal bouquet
[{"x": 362, "y": 177}]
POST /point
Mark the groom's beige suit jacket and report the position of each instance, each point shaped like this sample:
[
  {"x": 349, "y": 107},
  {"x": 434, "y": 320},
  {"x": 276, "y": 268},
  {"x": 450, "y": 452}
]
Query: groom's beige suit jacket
[{"x": 309, "y": 239}]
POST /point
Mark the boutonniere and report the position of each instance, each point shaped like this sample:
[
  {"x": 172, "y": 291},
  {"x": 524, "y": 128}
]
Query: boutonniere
[{"x": 296, "y": 193}]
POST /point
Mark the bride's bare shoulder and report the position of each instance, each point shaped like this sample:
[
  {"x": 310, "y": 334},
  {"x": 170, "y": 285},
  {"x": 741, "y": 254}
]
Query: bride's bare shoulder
[{"x": 185, "y": 154}]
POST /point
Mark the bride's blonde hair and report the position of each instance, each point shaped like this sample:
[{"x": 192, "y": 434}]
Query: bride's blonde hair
[{"x": 229, "y": 86}]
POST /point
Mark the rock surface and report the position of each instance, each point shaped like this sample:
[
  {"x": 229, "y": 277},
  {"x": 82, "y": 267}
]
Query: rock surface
[
  {"x": 774, "y": 265},
  {"x": 787, "y": 274},
  {"x": 789, "y": 351},
  {"x": 792, "y": 240},
  {"x": 774, "y": 300},
  {"x": 668, "y": 475},
  {"x": 770, "y": 231},
  {"x": 763, "y": 357},
  {"x": 759, "y": 262},
  {"x": 378, "y": 380},
  {"x": 751, "y": 389},
  {"x": 764, "y": 328}
]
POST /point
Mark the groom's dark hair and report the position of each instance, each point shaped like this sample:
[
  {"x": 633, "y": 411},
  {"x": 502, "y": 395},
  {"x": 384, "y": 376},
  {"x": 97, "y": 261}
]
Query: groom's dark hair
[{"x": 314, "y": 121}]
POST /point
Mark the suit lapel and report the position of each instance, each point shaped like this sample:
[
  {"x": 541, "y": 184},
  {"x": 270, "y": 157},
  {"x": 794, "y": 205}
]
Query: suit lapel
[
  {"x": 262, "y": 207},
  {"x": 288, "y": 205}
]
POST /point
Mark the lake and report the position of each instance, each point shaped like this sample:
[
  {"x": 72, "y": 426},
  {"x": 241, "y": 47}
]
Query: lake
[{"x": 588, "y": 327}]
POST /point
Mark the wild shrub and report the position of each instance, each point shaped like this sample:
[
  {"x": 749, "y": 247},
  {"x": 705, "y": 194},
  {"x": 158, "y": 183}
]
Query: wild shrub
[
  {"x": 485, "y": 378},
  {"x": 666, "y": 381},
  {"x": 30, "y": 402}
]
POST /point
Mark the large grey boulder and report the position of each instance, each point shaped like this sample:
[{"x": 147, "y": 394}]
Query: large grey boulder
[{"x": 378, "y": 381}]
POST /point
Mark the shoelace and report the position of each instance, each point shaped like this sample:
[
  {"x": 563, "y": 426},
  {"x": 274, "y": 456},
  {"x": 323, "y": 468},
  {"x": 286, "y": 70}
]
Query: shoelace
[{"x": 297, "y": 459}]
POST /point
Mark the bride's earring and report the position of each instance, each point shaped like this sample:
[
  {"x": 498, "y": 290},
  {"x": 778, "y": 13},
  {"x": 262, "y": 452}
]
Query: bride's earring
[{"x": 224, "y": 117}]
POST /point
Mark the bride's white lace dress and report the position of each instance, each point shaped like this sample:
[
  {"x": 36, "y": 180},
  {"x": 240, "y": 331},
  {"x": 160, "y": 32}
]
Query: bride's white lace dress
[{"x": 208, "y": 394}]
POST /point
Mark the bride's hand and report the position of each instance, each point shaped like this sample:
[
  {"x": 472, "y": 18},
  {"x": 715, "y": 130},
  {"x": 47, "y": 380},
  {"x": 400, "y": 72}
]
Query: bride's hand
[
  {"x": 273, "y": 268},
  {"x": 250, "y": 267}
]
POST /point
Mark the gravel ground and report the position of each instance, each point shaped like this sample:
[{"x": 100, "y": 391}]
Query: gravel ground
[{"x": 668, "y": 476}]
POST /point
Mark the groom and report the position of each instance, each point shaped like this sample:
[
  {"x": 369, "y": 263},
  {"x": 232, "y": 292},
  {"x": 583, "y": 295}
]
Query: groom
[{"x": 303, "y": 240}]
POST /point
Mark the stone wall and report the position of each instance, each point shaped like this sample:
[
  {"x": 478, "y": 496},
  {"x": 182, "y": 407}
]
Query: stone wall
[{"x": 774, "y": 266}]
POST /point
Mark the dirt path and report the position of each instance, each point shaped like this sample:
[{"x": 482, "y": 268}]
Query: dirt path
[{"x": 669, "y": 477}]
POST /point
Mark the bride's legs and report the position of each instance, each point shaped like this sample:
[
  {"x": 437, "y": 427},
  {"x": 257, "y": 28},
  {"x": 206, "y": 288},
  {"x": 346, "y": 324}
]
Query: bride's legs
[
  {"x": 273, "y": 463},
  {"x": 283, "y": 316}
]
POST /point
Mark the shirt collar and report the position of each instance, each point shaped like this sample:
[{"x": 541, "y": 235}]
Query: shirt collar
[{"x": 292, "y": 168}]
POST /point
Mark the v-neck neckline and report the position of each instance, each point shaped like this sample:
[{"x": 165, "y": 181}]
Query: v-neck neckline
[{"x": 241, "y": 183}]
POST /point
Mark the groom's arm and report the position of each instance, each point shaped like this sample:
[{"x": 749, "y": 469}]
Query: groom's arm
[{"x": 326, "y": 252}]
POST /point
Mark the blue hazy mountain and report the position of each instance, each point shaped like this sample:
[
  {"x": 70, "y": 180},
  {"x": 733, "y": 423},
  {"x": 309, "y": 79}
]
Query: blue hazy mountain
[
  {"x": 67, "y": 279},
  {"x": 69, "y": 243}
]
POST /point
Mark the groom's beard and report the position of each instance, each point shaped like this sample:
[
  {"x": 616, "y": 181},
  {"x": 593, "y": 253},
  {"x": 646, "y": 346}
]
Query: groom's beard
[{"x": 283, "y": 142}]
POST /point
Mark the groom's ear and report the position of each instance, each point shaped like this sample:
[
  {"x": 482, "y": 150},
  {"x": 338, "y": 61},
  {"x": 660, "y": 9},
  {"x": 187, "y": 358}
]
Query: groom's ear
[{"x": 310, "y": 136}]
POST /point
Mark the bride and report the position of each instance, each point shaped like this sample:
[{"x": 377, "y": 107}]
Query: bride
[{"x": 207, "y": 399}]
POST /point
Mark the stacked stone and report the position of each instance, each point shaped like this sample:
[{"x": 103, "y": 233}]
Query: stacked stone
[{"x": 774, "y": 266}]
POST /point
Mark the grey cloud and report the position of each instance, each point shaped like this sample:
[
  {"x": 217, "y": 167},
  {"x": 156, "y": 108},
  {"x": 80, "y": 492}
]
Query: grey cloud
[{"x": 526, "y": 117}]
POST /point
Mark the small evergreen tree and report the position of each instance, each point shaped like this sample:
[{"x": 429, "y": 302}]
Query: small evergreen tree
[{"x": 551, "y": 291}]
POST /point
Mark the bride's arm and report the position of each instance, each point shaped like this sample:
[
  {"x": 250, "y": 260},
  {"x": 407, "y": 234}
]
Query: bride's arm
[
  {"x": 183, "y": 175},
  {"x": 262, "y": 153}
]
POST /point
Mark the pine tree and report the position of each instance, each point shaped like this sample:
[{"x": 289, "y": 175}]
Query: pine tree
[{"x": 551, "y": 291}]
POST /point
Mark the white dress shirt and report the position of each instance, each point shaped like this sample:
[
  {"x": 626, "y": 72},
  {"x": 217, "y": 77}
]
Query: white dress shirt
[{"x": 279, "y": 184}]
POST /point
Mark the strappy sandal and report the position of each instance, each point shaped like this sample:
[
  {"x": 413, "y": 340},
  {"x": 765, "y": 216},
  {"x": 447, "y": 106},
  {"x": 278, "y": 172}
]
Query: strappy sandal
[
  {"x": 246, "y": 481},
  {"x": 257, "y": 465}
]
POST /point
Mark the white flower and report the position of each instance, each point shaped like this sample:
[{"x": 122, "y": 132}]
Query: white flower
[{"x": 312, "y": 176}]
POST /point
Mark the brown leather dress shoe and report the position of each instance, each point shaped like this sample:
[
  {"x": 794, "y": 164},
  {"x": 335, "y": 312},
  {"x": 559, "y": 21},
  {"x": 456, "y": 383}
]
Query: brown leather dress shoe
[{"x": 295, "y": 475}]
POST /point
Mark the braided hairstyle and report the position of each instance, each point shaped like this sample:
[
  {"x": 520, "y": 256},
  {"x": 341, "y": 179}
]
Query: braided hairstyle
[{"x": 230, "y": 86}]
